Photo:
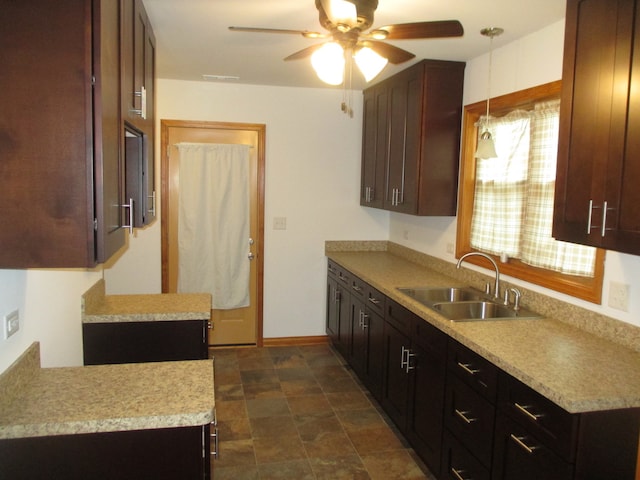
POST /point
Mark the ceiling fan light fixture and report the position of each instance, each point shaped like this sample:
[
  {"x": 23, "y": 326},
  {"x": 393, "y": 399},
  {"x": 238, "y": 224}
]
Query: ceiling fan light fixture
[
  {"x": 328, "y": 62},
  {"x": 379, "y": 34},
  {"x": 370, "y": 63},
  {"x": 344, "y": 14}
]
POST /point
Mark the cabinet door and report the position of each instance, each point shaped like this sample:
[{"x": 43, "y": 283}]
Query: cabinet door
[
  {"x": 374, "y": 147},
  {"x": 60, "y": 179},
  {"x": 597, "y": 200},
  {"x": 395, "y": 389},
  {"x": 333, "y": 309},
  {"x": 375, "y": 353},
  {"x": 344, "y": 320},
  {"x": 359, "y": 336},
  {"x": 424, "y": 429},
  {"x": 394, "y": 189}
]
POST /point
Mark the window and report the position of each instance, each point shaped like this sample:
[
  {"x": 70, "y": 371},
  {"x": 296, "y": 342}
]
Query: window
[{"x": 506, "y": 203}]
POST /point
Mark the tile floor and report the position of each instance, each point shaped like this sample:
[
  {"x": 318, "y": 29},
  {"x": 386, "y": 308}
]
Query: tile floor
[{"x": 299, "y": 413}]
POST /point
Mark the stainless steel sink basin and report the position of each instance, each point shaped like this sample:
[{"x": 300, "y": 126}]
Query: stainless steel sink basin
[
  {"x": 485, "y": 310},
  {"x": 431, "y": 295},
  {"x": 465, "y": 304}
]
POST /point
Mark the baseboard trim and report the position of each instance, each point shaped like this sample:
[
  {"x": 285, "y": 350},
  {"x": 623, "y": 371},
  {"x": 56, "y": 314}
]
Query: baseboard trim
[{"x": 294, "y": 341}]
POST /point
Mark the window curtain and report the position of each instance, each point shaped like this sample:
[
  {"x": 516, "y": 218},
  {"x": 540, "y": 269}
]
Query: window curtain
[
  {"x": 213, "y": 222},
  {"x": 513, "y": 204}
]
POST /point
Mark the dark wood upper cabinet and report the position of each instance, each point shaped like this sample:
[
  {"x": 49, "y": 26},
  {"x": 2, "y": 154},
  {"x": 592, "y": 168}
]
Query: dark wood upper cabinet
[
  {"x": 138, "y": 109},
  {"x": 411, "y": 140},
  {"x": 597, "y": 201},
  {"x": 61, "y": 184}
]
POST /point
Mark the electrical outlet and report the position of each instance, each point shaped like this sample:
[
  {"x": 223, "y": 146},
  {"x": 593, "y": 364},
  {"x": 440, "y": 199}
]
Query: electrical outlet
[
  {"x": 11, "y": 323},
  {"x": 619, "y": 296},
  {"x": 450, "y": 247},
  {"x": 405, "y": 234}
]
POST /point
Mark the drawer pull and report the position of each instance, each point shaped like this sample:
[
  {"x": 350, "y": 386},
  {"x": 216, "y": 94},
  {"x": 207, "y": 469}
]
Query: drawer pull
[
  {"x": 520, "y": 441},
  {"x": 467, "y": 368},
  {"x": 374, "y": 300},
  {"x": 458, "y": 474},
  {"x": 463, "y": 416},
  {"x": 356, "y": 288},
  {"x": 216, "y": 444},
  {"x": 524, "y": 409}
]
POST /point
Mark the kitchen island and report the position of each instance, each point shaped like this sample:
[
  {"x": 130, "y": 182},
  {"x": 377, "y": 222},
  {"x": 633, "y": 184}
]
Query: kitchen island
[
  {"x": 149, "y": 420},
  {"x": 144, "y": 328}
]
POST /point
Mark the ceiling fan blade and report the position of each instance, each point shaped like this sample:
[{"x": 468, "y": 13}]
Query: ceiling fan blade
[
  {"x": 305, "y": 52},
  {"x": 304, "y": 33},
  {"x": 407, "y": 31},
  {"x": 395, "y": 55}
]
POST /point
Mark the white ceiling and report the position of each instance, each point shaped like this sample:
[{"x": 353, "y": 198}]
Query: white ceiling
[{"x": 193, "y": 39}]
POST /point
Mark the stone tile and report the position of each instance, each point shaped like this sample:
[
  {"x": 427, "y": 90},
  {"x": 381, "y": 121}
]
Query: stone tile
[
  {"x": 340, "y": 468},
  {"x": 254, "y": 359},
  {"x": 353, "y": 420},
  {"x": 294, "y": 470},
  {"x": 287, "y": 357},
  {"x": 339, "y": 384},
  {"x": 375, "y": 440},
  {"x": 240, "y": 472},
  {"x": 263, "y": 390},
  {"x": 267, "y": 427},
  {"x": 250, "y": 377},
  {"x": 296, "y": 373},
  {"x": 299, "y": 405},
  {"x": 234, "y": 429},
  {"x": 395, "y": 465},
  {"x": 229, "y": 377},
  {"x": 278, "y": 449},
  {"x": 267, "y": 407},
  {"x": 303, "y": 386},
  {"x": 329, "y": 445},
  {"x": 313, "y": 425},
  {"x": 229, "y": 392},
  {"x": 230, "y": 409},
  {"x": 349, "y": 400},
  {"x": 235, "y": 453}
]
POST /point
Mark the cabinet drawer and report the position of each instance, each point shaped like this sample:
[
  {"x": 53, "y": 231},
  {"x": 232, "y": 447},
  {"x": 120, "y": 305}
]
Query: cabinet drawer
[
  {"x": 358, "y": 287},
  {"x": 332, "y": 268},
  {"x": 458, "y": 463},
  {"x": 430, "y": 338},
  {"x": 470, "y": 417},
  {"x": 376, "y": 301},
  {"x": 339, "y": 272},
  {"x": 400, "y": 317},
  {"x": 475, "y": 371},
  {"x": 519, "y": 455},
  {"x": 552, "y": 425}
]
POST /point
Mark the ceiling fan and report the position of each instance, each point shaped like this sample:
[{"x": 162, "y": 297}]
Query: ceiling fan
[{"x": 348, "y": 23}]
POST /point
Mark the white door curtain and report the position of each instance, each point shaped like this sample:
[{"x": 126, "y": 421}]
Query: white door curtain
[{"x": 213, "y": 222}]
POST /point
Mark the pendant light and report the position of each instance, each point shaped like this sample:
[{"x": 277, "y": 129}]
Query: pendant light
[{"x": 486, "y": 147}]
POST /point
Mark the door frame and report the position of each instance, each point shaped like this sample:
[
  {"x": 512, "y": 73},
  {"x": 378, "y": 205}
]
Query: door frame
[{"x": 260, "y": 129}]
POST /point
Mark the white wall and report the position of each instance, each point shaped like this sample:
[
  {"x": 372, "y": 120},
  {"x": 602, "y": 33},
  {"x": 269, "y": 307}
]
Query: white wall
[
  {"x": 312, "y": 178},
  {"x": 532, "y": 60},
  {"x": 49, "y": 306}
]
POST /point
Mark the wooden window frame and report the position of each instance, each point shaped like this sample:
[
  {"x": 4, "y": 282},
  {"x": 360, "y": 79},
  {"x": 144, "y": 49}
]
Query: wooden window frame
[{"x": 589, "y": 289}]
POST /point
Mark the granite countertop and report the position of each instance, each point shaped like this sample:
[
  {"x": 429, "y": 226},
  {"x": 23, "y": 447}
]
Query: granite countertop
[
  {"x": 100, "y": 308},
  {"x": 576, "y": 369},
  {"x": 37, "y": 402}
]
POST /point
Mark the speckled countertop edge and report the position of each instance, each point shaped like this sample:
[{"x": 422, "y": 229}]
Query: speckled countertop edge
[
  {"x": 105, "y": 398},
  {"x": 576, "y": 369},
  {"x": 100, "y": 308}
]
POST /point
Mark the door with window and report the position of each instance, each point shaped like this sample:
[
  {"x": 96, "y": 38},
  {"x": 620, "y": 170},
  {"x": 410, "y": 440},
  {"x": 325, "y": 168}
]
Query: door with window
[{"x": 213, "y": 222}]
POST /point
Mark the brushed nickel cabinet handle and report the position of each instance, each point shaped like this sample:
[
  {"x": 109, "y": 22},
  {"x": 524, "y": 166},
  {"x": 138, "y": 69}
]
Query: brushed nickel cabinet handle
[
  {"x": 467, "y": 367},
  {"x": 520, "y": 442},
  {"x": 463, "y": 416},
  {"x": 525, "y": 409}
]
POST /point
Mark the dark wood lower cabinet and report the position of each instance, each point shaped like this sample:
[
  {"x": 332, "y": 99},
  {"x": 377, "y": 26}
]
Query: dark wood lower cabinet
[
  {"x": 136, "y": 342},
  {"x": 158, "y": 454},
  {"x": 466, "y": 418}
]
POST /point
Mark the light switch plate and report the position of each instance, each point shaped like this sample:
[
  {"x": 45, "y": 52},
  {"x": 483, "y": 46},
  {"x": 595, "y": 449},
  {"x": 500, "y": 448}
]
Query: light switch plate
[
  {"x": 280, "y": 223},
  {"x": 619, "y": 296}
]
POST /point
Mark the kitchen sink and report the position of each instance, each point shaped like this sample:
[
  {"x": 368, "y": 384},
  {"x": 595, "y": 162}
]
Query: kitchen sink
[
  {"x": 465, "y": 304},
  {"x": 431, "y": 295},
  {"x": 485, "y": 310}
]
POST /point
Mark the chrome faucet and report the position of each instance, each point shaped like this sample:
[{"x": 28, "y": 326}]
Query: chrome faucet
[
  {"x": 496, "y": 287},
  {"x": 517, "y": 294}
]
